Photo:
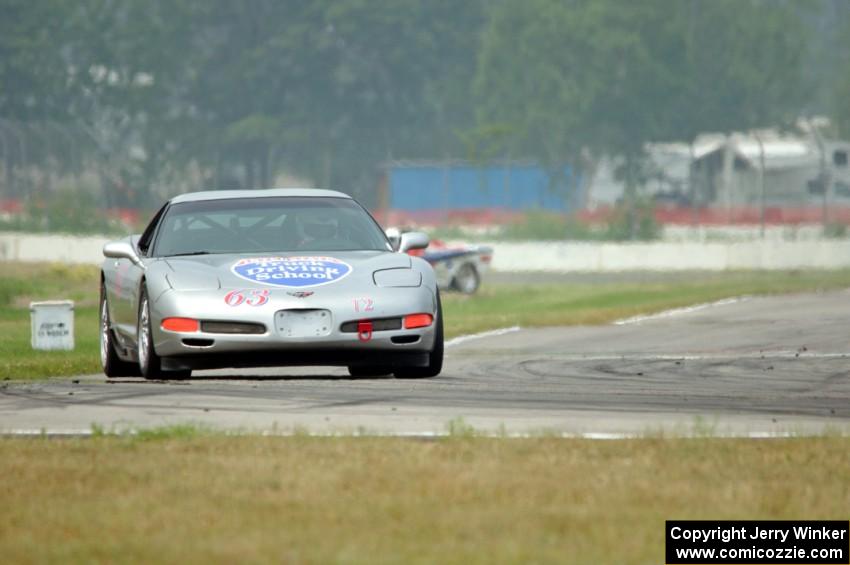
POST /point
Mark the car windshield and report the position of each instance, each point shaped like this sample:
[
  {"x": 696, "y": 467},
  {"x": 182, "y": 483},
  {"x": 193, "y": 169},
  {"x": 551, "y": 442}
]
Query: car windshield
[{"x": 267, "y": 225}]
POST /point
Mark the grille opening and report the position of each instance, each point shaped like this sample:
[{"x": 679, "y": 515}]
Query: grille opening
[
  {"x": 401, "y": 339},
  {"x": 216, "y": 327},
  {"x": 198, "y": 342},
  {"x": 381, "y": 324}
]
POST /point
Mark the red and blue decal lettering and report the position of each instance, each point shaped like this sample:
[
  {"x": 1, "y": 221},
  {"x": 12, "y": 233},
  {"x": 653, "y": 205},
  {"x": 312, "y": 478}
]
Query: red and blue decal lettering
[
  {"x": 256, "y": 297},
  {"x": 292, "y": 272}
]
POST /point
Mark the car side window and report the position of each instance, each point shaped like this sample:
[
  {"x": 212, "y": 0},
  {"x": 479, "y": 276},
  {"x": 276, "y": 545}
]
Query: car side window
[{"x": 147, "y": 236}]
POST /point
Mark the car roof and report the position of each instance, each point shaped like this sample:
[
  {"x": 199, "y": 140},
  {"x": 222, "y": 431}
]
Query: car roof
[{"x": 226, "y": 194}]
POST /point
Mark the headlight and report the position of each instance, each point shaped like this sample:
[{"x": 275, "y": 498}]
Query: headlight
[{"x": 397, "y": 278}]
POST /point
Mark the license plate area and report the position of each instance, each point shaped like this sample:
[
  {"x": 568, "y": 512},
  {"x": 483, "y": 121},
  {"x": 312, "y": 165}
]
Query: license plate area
[{"x": 303, "y": 323}]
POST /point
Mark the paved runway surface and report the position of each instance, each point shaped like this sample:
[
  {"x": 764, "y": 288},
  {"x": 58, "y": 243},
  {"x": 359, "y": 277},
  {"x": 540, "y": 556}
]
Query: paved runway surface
[{"x": 756, "y": 365}]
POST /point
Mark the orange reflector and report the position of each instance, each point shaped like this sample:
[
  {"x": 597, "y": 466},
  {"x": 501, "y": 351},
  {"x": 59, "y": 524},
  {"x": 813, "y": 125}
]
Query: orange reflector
[
  {"x": 180, "y": 325},
  {"x": 417, "y": 321}
]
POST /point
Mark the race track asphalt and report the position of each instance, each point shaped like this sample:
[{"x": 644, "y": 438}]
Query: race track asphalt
[{"x": 760, "y": 365}]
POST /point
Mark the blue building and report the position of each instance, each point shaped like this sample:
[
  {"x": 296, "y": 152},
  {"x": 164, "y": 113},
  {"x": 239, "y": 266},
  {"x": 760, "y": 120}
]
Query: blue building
[{"x": 455, "y": 185}]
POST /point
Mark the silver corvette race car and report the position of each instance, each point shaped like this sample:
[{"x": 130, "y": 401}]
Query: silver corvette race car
[
  {"x": 458, "y": 267},
  {"x": 268, "y": 278}
]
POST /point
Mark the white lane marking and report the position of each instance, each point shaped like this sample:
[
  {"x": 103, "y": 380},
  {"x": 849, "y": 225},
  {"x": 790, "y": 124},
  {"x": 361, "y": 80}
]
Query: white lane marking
[
  {"x": 492, "y": 333},
  {"x": 763, "y": 434},
  {"x": 766, "y": 355},
  {"x": 678, "y": 311},
  {"x": 731, "y": 435}
]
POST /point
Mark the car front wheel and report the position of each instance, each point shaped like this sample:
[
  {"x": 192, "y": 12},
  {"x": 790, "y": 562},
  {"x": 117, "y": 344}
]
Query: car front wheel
[
  {"x": 150, "y": 363},
  {"x": 467, "y": 279},
  {"x": 113, "y": 365}
]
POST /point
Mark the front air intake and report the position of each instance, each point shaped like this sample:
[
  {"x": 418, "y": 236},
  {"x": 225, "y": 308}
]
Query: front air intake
[
  {"x": 213, "y": 327},
  {"x": 379, "y": 325}
]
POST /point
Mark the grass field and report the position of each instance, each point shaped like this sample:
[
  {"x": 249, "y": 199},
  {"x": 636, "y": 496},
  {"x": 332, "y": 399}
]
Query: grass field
[
  {"x": 495, "y": 306},
  {"x": 181, "y": 498}
]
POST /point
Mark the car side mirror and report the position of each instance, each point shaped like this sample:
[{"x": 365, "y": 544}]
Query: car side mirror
[
  {"x": 413, "y": 240},
  {"x": 121, "y": 250}
]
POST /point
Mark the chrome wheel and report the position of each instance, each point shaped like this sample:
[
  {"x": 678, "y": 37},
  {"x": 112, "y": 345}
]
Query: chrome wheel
[
  {"x": 104, "y": 334},
  {"x": 150, "y": 364},
  {"x": 113, "y": 365},
  {"x": 144, "y": 336}
]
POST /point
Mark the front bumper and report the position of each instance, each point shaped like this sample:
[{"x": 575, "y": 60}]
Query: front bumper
[{"x": 196, "y": 349}]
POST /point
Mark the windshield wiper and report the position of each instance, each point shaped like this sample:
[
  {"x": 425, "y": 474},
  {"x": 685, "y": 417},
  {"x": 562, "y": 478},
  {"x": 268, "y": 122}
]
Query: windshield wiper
[{"x": 189, "y": 253}]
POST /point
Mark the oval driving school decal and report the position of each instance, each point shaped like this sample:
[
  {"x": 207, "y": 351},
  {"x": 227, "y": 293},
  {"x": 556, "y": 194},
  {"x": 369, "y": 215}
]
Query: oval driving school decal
[{"x": 297, "y": 272}]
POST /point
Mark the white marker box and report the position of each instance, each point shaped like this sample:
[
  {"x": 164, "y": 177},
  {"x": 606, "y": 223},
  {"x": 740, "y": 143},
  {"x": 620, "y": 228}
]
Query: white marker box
[{"x": 52, "y": 324}]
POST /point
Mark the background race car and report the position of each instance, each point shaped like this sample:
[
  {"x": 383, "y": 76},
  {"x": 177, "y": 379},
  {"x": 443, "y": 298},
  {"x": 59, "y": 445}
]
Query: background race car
[{"x": 458, "y": 266}]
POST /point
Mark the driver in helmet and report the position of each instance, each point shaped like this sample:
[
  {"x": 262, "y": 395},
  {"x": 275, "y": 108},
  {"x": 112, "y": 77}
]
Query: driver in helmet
[{"x": 314, "y": 227}]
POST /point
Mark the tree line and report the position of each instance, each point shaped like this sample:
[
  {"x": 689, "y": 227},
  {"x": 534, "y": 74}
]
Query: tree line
[{"x": 219, "y": 94}]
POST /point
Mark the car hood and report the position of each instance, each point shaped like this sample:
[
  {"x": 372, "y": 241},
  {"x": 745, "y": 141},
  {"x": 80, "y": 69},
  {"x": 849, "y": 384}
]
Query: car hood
[{"x": 338, "y": 270}]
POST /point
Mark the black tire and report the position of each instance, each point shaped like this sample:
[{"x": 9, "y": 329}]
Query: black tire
[
  {"x": 356, "y": 371},
  {"x": 435, "y": 357},
  {"x": 467, "y": 280},
  {"x": 113, "y": 365},
  {"x": 150, "y": 364}
]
